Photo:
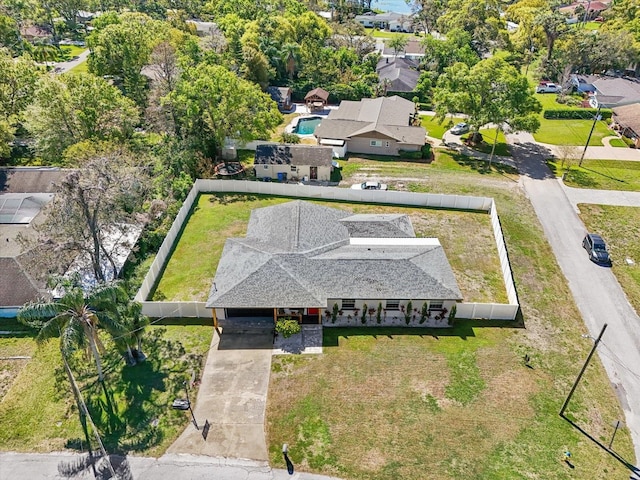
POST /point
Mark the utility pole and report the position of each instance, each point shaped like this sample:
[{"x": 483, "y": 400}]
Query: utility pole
[
  {"x": 584, "y": 367},
  {"x": 85, "y": 412},
  {"x": 594, "y": 104}
]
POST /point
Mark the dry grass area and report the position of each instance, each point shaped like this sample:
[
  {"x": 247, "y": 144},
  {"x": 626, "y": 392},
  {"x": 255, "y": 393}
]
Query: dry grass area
[
  {"x": 467, "y": 239},
  {"x": 286, "y": 120},
  {"x": 385, "y": 404}
]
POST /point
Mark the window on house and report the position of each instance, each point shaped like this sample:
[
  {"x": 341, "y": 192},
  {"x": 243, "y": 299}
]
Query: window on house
[
  {"x": 375, "y": 143},
  {"x": 435, "y": 305},
  {"x": 348, "y": 304},
  {"x": 294, "y": 168},
  {"x": 393, "y": 304}
]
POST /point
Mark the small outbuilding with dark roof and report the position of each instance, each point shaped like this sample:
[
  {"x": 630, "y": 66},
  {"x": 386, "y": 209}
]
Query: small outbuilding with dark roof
[
  {"x": 293, "y": 162},
  {"x": 282, "y": 96},
  {"x": 299, "y": 259}
]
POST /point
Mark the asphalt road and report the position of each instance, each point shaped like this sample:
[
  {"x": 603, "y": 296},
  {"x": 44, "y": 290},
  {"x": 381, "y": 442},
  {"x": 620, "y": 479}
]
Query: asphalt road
[
  {"x": 597, "y": 294},
  {"x": 175, "y": 467}
]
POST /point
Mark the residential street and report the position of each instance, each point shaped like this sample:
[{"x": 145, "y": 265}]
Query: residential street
[
  {"x": 174, "y": 467},
  {"x": 595, "y": 289},
  {"x": 64, "y": 67}
]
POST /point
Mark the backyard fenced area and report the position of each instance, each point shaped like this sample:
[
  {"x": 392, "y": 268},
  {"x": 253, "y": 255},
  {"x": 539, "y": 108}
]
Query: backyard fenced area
[{"x": 194, "y": 301}]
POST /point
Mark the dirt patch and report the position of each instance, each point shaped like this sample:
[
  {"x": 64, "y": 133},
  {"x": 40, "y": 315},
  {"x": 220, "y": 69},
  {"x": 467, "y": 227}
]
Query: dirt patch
[{"x": 9, "y": 370}]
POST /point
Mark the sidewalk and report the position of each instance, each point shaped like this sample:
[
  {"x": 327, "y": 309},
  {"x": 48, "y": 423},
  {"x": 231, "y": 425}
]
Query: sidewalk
[{"x": 600, "y": 197}]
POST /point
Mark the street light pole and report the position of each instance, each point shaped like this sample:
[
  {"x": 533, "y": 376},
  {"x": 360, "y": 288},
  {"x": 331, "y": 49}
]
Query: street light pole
[{"x": 594, "y": 103}]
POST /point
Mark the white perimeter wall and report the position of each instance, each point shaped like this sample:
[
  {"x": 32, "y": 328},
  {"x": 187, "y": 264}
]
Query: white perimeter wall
[{"x": 492, "y": 311}]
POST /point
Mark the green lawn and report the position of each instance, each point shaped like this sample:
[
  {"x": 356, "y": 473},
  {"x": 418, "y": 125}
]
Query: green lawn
[
  {"x": 619, "y": 227},
  {"x": 82, "y": 67},
  {"x": 38, "y": 413},
  {"x": 376, "y": 33},
  {"x": 601, "y": 174},
  {"x": 618, "y": 142},
  {"x": 188, "y": 276},
  {"x": 435, "y": 128},
  {"x": 571, "y": 132},
  {"x": 567, "y": 132},
  {"x": 489, "y": 138},
  {"x": 385, "y": 403},
  {"x": 70, "y": 51}
]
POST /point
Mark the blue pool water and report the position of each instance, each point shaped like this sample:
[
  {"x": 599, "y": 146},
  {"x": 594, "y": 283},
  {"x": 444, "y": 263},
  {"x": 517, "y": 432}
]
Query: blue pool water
[{"x": 306, "y": 126}]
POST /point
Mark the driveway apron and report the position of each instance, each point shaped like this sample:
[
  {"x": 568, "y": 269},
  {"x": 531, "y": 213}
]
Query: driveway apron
[{"x": 232, "y": 398}]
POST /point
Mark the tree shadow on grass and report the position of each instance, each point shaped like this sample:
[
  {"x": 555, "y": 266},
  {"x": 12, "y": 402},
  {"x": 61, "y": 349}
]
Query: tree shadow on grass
[{"x": 482, "y": 166}]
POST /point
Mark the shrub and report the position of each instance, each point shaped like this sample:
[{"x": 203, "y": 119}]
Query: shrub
[
  {"x": 334, "y": 313},
  {"x": 576, "y": 114},
  {"x": 452, "y": 314},
  {"x": 424, "y": 313},
  {"x": 289, "y": 138},
  {"x": 379, "y": 314},
  {"x": 287, "y": 327},
  {"x": 426, "y": 150},
  {"x": 363, "y": 318},
  {"x": 410, "y": 154},
  {"x": 407, "y": 315}
]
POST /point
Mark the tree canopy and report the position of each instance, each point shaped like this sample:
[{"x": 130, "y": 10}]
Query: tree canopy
[{"x": 214, "y": 104}]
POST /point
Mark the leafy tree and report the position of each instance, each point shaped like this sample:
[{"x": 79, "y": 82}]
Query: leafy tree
[
  {"x": 92, "y": 217},
  {"x": 74, "y": 107},
  {"x": 397, "y": 43},
  {"x": 492, "y": 91},
  {"x": 427, "y": 12},
  {"x": 76, "y": 319},
  {"x": 624, "y": 15},
  {"x": 213, "y": 104},
  {"x": 68, "y": 9},
  {"x": 554, "y": 25},
  {"x": 123, "y": 49},
  {"x": 18, "y": 79},
  {"x": 256, "y": 67},
  {"x": 529, "y": 34},
  {"x": 440, "y": 54},
  {"x": 480, "y": 18},
  {"x": 9, "y": 34}
]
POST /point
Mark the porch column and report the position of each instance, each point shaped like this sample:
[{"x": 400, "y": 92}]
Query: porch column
[
  {"x": 275, "y": 315},
  {"x": 319, "y": 317}
]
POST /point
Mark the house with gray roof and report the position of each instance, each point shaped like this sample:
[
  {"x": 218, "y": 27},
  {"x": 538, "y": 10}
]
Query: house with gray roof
[
  {"x": 24, "y": 192},
  {"x": 611, "y": 91},
  {"x": 379, "y": 126},
  {"x": 398, "y": 74},
  {"x": 298, "y": 162},
  {"x": 626, "y": 120},
  {"x": 299, "y": 259}
]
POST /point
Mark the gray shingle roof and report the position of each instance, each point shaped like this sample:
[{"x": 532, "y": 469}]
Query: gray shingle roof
[
  {"x": 379, "y": 226},
  {"x": 400, "y": 72},
  {"x": 16, "y": 287},
  {"x": 298, "y": 254},
  {"x": 293, "y": 155},
  {"x": 388, "y": 116}
]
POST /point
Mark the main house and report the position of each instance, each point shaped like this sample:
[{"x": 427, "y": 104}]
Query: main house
[
  {"x": 300, "y": 259},
  {"x": 299, "y": 162},
  {"x": 381, "y": 126}
]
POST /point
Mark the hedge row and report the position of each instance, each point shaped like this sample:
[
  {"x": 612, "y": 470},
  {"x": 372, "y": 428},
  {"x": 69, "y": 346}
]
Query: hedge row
[
  {"x": 577, "y": 114},
  {"x": 424, "y": 152}
]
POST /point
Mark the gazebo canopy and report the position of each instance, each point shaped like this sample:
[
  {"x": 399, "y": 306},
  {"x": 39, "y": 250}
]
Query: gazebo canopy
[{"x": 317, "y": 93}]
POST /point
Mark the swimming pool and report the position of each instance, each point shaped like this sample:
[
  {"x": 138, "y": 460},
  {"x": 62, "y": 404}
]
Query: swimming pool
[{"x": 307, "y": 125}]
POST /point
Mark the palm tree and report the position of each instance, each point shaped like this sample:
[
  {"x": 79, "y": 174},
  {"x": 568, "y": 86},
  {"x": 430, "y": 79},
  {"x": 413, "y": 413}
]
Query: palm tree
[
  {"x": 290, "y": 55},
  {"x": 133, "y": 323},
  {"x": 76, "y": 318}
]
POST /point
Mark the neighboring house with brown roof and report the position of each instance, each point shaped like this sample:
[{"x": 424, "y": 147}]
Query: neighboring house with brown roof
[
  {"x": 299, "y": 259},
  {"x": 627, "y": 121},
  {"x": 398, "y": 74},
  {"x": 24, "y": 192},
  {"x": 380, "y": 126},
  {"x": 298, "y": 162},
  {"x": 593, "y": 9},
  {"x": 413, "y": 50},
  {"x": 34, "y": 32}
]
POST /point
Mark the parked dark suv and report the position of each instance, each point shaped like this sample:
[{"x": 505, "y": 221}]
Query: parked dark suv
[{"x": 596, "y": 248}]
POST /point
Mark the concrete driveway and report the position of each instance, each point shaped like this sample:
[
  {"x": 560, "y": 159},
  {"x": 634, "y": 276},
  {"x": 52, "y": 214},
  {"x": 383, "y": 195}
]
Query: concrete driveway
[{"x": 232, "y": 397}]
